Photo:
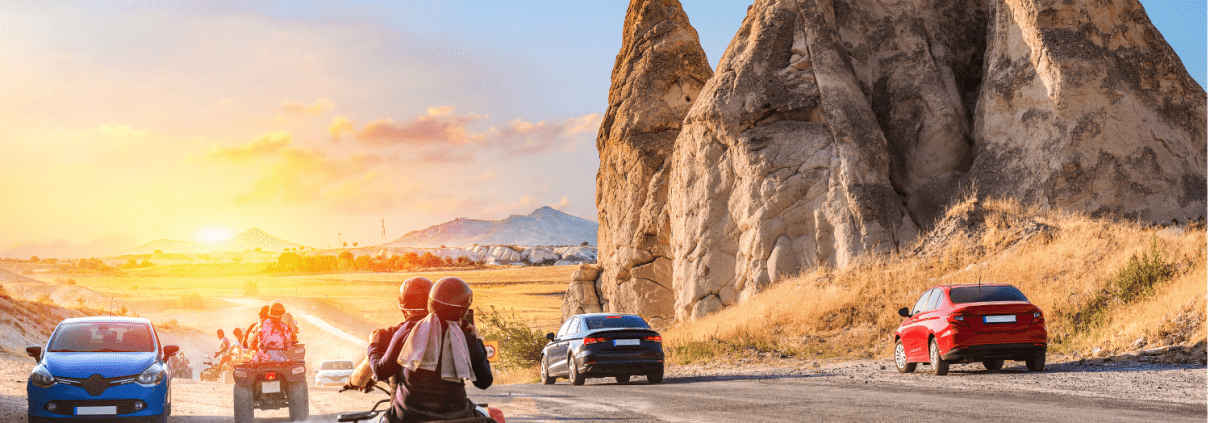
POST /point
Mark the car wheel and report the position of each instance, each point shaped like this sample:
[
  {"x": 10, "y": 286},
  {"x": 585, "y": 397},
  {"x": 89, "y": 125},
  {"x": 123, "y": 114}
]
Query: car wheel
[
  {"x": 901, "y": 363},
  {"x": 242, "y": 397},
  {"x": 622, "y": 379},
  {"x": 1037, "y": 363},
  {"x": 546, "y": 377},
  {"x": 656, "y": 376},
  {"x": 940, "y": 366},
  {"x": 993, "y": 365},
  {"x": 296, "y": 395},
  {"x": 573, "y": 373}
]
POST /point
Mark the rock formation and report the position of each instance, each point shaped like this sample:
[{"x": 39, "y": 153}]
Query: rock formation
[
  {"x": 656, "y": 77},
  {"x": 833, "y": 129}
]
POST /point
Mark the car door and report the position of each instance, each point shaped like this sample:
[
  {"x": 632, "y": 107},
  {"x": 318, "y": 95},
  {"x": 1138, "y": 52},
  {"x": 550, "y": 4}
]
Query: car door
[
  {"x": 915, "y": 333},
  {"x": 569, "y": 340},
  {"x": 556, "y": 352}
]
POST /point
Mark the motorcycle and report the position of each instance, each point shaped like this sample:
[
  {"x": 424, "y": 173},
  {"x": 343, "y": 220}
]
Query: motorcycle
[
  {"x": 271, "y": 386},
  {"x": 486, "y": 414}
]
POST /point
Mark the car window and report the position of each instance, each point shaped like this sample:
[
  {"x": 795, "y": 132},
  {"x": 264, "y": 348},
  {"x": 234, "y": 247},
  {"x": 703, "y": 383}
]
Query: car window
[
  {"x": 922, "y": 302},
  {"x": 102, "y": 337},
  {"x": 981, "y": 294},
  {"x": 563, "y": 329},
  {"x": 611, "y": 322},
  {"x": 935, "y": 300},
  {"x": 575, "y": 326}
]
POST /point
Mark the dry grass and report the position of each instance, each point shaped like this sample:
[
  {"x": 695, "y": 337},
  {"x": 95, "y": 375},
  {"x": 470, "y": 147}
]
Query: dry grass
[
  {"x": 1065, "y": 263},
  {"x": 512, "y": 375}
]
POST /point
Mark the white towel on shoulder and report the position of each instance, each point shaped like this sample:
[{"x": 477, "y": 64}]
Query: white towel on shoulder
[{"x": 425, "y": 344}]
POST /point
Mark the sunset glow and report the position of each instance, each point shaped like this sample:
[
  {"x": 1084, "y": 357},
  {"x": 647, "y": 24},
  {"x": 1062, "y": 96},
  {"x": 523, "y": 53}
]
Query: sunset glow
[{"x": 213, "y": 235}]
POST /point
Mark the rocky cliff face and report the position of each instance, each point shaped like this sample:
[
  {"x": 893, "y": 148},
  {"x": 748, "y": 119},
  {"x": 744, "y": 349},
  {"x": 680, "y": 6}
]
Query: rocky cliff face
[
  {"x": 656, "y": 78},
  {"x": 833, "y": 129}
]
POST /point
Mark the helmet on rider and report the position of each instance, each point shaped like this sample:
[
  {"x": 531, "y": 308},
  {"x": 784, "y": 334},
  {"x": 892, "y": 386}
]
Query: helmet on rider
[
  {"x": 414, "y": 296},
  {"x": 449, "y": 299},
  {"x": 277, "y": 309}
]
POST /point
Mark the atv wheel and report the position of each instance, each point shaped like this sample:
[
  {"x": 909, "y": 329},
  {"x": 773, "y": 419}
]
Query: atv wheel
[
  {"x": 573, "y": 373},
  {"x": 242, "y": 397},
  {"x": 296, "y": 395}
]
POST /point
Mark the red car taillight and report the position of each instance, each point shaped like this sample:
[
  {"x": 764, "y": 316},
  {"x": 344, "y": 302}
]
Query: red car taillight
[
  {"x": 593, "y": 340},
  {"x": 654, "y": 338},
  {"x": 1037, "y": 318},
  {"x": 958, "y": 319}
]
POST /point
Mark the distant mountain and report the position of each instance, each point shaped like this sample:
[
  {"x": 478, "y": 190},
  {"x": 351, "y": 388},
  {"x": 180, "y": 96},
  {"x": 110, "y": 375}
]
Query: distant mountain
[
  {"x": 248, "y": 240},
  {"x": 545, "y": 226}
]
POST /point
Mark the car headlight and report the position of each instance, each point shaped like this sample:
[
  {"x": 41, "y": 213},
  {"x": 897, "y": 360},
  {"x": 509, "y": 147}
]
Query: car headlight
[
  {"x": 41, "y": 377},
  {"x": 152, "y": 376}
]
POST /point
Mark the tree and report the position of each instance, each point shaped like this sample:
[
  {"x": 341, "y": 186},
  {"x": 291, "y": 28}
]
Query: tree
[
  {"x": 345, "y": 255},
  {"x": 289, "y": 260},
  {"x": 158, "y": 251},
  {"x": 345, "y": 244},
  {"x": 354, "y": 244},
  {"x": 34, "y": 259}
]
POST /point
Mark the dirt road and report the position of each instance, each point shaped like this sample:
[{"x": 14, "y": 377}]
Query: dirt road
[{"x": 848, "y": 391}]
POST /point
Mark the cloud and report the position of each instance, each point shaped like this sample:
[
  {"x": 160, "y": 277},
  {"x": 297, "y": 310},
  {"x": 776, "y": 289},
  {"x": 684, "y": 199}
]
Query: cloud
[
  {"x": 124, "y": 135},
  {"x": 563, "y": 204},
  {"x": 267, "y": 145},
  {"x": 339, "y": 126},
  {"x": 445, "y": 156},
  {"x": 437, "y": 126},
  {"x": 310, "y": 177},
  {"x": 524, "y": 205},
  {"x": 521, "y": 137},
  {"x": 487, "y": 176},
  {"x": 318, "y": 107}
]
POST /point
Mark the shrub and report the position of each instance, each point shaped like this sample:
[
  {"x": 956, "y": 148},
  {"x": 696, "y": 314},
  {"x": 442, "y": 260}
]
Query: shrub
[
  {"x": 520, "y": 345},
  {"x": 45, "y": 298},
  {"x": 1141, "y": 274}
]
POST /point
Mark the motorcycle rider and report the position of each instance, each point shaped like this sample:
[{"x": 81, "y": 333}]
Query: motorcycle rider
[
  {"x": 250, "y": 334},
  {"x": 381, "y": 360},
  {"x": 237, "y": 347},
  {"x": 224, "y": 345},
  {"x": 274, "y": 337},
  {"x": 439, "y": 353}
]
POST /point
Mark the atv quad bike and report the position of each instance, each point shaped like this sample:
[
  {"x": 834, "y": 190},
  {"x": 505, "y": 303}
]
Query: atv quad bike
[{"x": 271, "y": 386}]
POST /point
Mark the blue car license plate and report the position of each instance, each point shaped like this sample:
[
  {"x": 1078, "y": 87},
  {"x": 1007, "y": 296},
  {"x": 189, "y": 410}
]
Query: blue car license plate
[
  {"x": 620, "y": 342},
  {"x": 1007, "y": 318},
  {"x": 96, "y": 411}
]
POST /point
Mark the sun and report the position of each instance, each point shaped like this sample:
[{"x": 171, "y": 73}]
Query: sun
[{"x": 213, "y": 235}]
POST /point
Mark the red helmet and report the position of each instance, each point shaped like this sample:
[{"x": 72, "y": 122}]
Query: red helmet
[
  {"x": 414, "y": 296},
  {"x": 450, "y": 298}
]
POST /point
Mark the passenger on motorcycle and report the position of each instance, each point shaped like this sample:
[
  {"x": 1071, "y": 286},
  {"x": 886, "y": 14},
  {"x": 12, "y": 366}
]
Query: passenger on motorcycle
[
  {"x": 439, "y": 354},
  {"x": 274, "y": 337},
  {"x": 381, "y": 360},
  {"x": 288, "y": 319},
  {"x": 254, "y": 328}
]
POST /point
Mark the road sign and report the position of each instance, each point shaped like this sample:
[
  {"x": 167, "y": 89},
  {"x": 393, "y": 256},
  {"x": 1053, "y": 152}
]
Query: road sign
[{"x": 493, "y": 348}]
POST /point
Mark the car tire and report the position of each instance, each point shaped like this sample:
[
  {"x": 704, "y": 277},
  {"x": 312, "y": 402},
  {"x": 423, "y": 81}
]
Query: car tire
[
  {"x": 656, "y": 376},
  {"x": 296, "y": 395},
  {"x": 1037, "y": 363},
  {"x": 993, "y": 365},
  {"x": 901, "y": 363},
  {"x": 940, "y": 366},
  {"x": 242, "y": 398},
  {"x": 573, "y": 373},
  {"x": 547, "y": 379},
  {"x": 622, "y": 380}
]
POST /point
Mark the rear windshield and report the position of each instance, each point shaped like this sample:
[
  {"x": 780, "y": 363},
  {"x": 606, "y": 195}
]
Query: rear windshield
[
  {"x": 983, "y": 294},
  {"x": 337, "y": 365},
  {"x": 102, "y": 337},
  {"x": 611, "y": 322}
]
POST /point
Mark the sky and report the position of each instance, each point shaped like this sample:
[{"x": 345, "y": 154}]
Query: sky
[{"x": 123, "y": 122}]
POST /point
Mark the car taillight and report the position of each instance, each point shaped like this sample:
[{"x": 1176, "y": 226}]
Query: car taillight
[
  {"x": 957, "y": 319},
  {"x": 654, "y": 338},
  {"x": 270, "y": 375},
  {"x": 1037, "y": 317},
  {"x": 593, "y": 340}
]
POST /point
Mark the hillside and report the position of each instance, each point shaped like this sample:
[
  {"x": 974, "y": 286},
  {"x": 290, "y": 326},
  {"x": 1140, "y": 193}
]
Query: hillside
[
  {"x": 1106, "y": 287},
  {"x": 251, "y": 239},
  {"x": 545, "y": 226}
]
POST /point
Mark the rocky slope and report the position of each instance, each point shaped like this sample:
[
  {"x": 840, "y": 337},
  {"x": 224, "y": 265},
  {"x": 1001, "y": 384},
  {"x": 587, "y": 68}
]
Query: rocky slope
[{"x": 833, "y": 129}]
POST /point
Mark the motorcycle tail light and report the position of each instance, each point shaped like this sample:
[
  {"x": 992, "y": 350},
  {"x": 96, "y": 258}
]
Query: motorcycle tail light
[
  {"x": 270, "y": 375},
  {"x": 655, "y": 338},
  {"x": 593, "y": 340}
]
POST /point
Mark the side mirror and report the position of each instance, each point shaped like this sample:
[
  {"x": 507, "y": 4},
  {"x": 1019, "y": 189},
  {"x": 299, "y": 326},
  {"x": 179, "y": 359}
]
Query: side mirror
[
  {"x": 550, "y": 336},
  {"x": 170, "y": 350},
  {"x": 904, "y": 312},
  {"x": 34, "y": 351}
]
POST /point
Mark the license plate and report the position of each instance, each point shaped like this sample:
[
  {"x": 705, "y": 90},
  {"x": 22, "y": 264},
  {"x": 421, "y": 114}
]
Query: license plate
[
  {"x": 270, "y": 387},
  {"x": 96, "y": 411},
  {"x": 618, "y": 342},
  {"x": 1010, "y": 318}
]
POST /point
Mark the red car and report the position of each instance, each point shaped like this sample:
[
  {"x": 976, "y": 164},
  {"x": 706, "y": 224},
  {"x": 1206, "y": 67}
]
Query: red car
[{"x": 988, "y": 322}]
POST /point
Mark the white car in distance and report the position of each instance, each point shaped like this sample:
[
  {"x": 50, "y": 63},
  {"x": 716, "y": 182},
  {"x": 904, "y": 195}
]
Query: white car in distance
[{"x": 333, "y": 373}]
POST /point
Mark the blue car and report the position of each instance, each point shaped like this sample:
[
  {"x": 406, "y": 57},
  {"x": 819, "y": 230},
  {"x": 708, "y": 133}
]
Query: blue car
[{"x": 109, "y": 369}]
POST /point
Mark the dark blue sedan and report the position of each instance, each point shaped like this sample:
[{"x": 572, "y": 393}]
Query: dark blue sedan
[
  {"x": 101, "y": 368},
  {"x": 603, "y": 345}
]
